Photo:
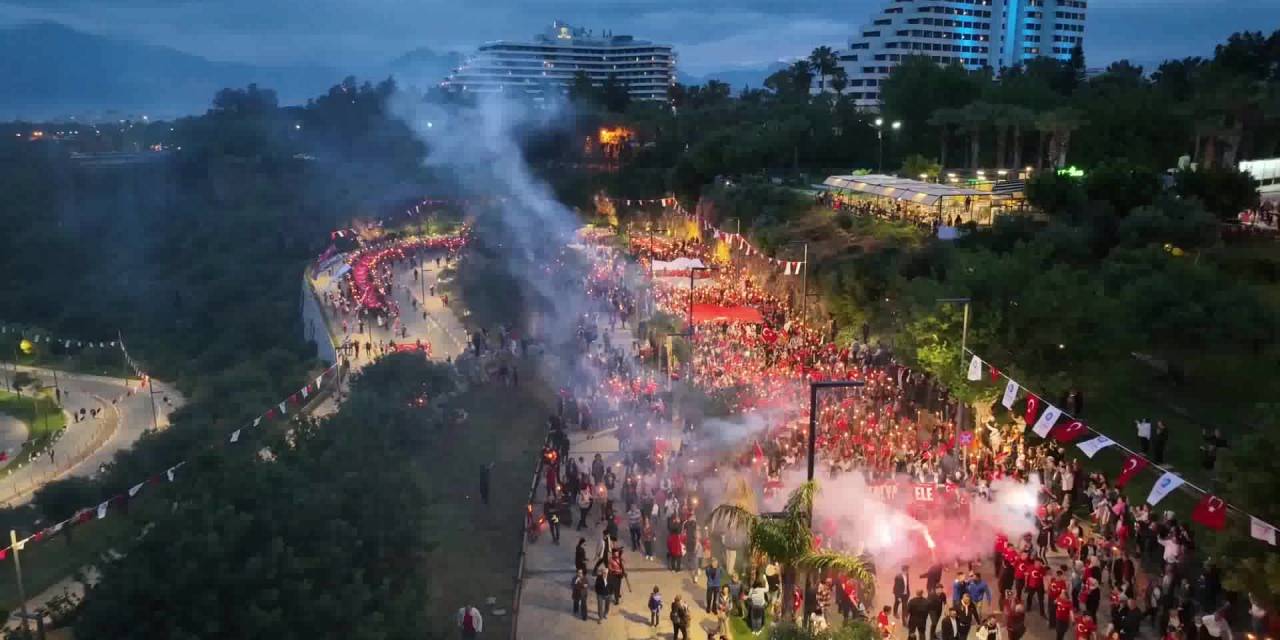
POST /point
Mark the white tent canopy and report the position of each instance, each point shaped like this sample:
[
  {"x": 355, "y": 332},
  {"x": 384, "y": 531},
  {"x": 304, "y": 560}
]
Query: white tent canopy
[
  {"x": 679, "y": 264},
  {"x": 925, "y": 193}
]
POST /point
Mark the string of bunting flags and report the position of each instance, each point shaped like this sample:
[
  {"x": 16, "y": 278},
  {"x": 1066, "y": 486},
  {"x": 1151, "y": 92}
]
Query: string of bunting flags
[
  {"x": 37, "y": 337},
  {"x": 739, "y": 242},
  {"x": 1050, "y": 422},
  {"x": 102, "y": 509},
  {"x": 415, "y": 210}
]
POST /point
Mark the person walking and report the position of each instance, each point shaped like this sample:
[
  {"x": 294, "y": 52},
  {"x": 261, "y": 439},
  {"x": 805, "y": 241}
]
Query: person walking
[
  {"x": 675, "y": 550},
  {"x": 714, "y": 576},
  {"x": 602, "y": 596},
  {"x": 580, "y": 587},
  {"x": 470, "y": 623},
  {"x": 679, "y": 619},
  {"x": 901, "y": 592},
  {"x": 647, "y": 536},
  {"x": 580, "y": 555},
  {"x": 949, "y": 628},
  {"x": 655, "y": 606},
  {"x": 757, "y": 599},
  {"x": 635, "y": 523},
  {"x": 966, "y": 615},
  {"x": 917, "y": 615}
]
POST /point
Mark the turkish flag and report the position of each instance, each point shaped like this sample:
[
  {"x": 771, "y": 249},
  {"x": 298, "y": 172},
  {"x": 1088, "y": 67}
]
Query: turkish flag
[
  {"x": 995, "y": 373},
  {"x": 1067, "y": 541},
  {"x": 1033, "y": 410},
  {"x": 1132, "y": 465},
  {"x": 1069, "y": 431},
  {"x": 1211, "y": 512}
]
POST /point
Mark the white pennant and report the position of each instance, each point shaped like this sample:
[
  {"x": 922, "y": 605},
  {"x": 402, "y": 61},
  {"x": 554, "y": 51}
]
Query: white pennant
[
  {"x": 1262, "y": 531},
  {"x": 169, "y": 473},
  {"x": 281, "y": 406},
  {"x": 975, "y": 369},
  {"x": 133, "y": 491},
  {"x": 235, "y": 435},
  {"x": 257, "y": 420},
  {"x": 1010, "y": 394},
  {"x": 1047, "y": 419},
  {"x": 1094, "y": 445},
  {"x": 319, "y": 379},
  {"x": 102, "y": 509},
  {"x": 1167, "y": 482},
  {"x": 57, "y": 527},
  {"x": 306, "y": 391}
]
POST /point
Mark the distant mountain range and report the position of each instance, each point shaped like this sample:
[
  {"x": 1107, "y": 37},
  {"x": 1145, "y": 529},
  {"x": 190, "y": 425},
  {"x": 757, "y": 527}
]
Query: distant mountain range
[
  {"x": 751, "y": 77},
  {"x": 50, "y": 70}
]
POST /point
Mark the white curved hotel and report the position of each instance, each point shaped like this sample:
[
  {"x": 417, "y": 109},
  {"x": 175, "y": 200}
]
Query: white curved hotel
[
  {"x": 550, "y": 60},
  {"x": 975, "y": 33}
]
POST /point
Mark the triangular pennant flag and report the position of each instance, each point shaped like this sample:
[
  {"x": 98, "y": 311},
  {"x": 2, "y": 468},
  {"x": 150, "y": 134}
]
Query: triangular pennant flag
[
  {"x": 257, "y": 420},
  {"x": 282, "y": 409},
  {"x": 271, "y": 413},
  {"x": 169, "y": 473},
  {"x": 1094, "y": 445},
  {"x": 85, "y": 515},
  {"x": 57, "y": 527},
  {"x": 975, "y": 369},
  {"x": 1167, "y": 482},
  {"x": 319, "y": 381},
  {"x": 1132, "y": 465},
  {"x": 1069, "y": 431},
  {"x": 102, "y": 509},
  {"x": 1211, "y": 512},
  {"x": 306, "y": 391},
  {"x": 1262, "y": 531},
  {"x": 4, "y": 553},
  {"x": 1010, "y": 394},
  {"x": 1048, "y": 418},
  {"x": 133, "y": 491},
  {"x": 235, "y": 435}
]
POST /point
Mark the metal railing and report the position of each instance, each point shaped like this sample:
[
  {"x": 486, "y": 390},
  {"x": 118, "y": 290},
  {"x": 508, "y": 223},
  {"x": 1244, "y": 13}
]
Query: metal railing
[
  {"x": 524, "y": 544},
  {"x": 76, "y": 442}
]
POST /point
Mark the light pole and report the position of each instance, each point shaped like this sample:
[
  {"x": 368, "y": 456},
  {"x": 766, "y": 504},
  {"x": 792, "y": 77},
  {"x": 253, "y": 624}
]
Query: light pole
[
  {"x": 879, "y": 122},
  {"x": 804, "y": 282},
  {"x": 814, "y": 387},
  {"x": 964, "y": 331}
]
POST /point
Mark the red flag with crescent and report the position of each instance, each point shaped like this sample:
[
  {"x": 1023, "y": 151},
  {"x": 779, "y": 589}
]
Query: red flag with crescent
[
  {"x": 1132, "y": 465},
  {"x": 1211, "y": 512},
  {"x": 1069, "y": 431},
  {"x": 1033, "y": 410}
]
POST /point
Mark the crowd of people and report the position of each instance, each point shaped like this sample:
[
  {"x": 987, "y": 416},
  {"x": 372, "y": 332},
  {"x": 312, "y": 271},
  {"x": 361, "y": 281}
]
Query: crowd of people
[{"x": 1086, "y": 545}]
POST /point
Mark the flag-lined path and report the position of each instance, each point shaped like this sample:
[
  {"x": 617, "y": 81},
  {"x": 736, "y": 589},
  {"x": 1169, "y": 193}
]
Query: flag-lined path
[{"x": 124, "y": 415}]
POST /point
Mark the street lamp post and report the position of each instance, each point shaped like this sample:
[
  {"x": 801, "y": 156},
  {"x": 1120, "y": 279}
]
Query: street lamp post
[
  {"x": 804, "y": 282},
  {"x": 895, "y": 125},
  {"x": 814, "y": 387},
  {"x": 964, "y": 331}
]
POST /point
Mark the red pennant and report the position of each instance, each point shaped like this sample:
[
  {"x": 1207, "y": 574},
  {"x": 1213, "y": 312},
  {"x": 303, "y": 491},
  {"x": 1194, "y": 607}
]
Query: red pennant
[
  {"x": 995, "y": 373},
  {"x": 153, "y": 480},
  {"x": 1068, "y": 431},
  {"x": 1211, "y": 512},
  {"x": 1033, "y": 410},
  {"x": 271, "y": 413},
  {"x": 84, "y": 516},
  {"x": 4, "y": 553},
  {"x": 1132, "y": 465},
  {"x": 38, "y": 536},
  {"x": 293, "y": 398}
]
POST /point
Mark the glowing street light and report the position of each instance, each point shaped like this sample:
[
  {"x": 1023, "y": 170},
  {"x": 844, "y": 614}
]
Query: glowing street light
[{"x": 879, "y": 122}]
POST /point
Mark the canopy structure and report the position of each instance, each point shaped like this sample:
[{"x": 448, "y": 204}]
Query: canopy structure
[
  {"x": 679, "y": 264},
  {"x": 924, "y": 193},
  {"x": 707, "y": 313}
]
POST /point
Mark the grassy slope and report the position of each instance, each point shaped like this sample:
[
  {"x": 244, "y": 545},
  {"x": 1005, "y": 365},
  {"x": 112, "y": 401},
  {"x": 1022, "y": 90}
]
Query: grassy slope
[{"x": 39, "y": 429}]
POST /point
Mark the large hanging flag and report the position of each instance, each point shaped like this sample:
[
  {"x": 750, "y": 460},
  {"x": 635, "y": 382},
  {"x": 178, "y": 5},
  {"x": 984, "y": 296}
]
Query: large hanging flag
[
  {"x": 1069, "y": 431},
  {"x": 975, "y": 369},
  {"x": 1262, "y": 531},
  {"x": 1010, "y": 394},
  {"x": 1132, "y": 465},
  {"x": 1094, "y": 445},
  {"x": 1211, "y": 512},
  {"x": 1048, "y": 418},
  {"x": 1033, "y": 410},
  {"x": 1167, "y": 483}
]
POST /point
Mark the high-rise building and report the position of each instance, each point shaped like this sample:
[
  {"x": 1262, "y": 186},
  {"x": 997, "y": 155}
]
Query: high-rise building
[
  {"x": 974, "y": 33},
  {"x": 550, "y": 61}
]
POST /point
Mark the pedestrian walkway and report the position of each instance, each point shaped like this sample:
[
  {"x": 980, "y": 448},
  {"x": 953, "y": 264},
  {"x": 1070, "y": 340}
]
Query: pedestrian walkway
[
  {"x": 546, "y": 610},
  {"x": 125, "y": 413}
]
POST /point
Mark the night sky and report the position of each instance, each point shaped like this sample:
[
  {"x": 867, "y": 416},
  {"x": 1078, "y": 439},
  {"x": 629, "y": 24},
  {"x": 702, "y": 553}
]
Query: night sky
[{"x": 710, "y": 35}]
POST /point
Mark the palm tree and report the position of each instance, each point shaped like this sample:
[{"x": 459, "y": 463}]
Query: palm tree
[
  {"x": 975, "y": 117},
  {"x": 1020, "y": 118},
  {"x": 823, "y": 61},
  {"x": 839, "y": 81},
  {"x": 787, "y": 537},
  {"x": 1002, "y": 120},
  {"x": 1058, "y": 125},
  {"x": 944, "y": 119}
]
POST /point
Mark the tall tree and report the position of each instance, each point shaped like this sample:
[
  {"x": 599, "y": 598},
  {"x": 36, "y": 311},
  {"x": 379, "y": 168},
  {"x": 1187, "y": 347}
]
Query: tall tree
[{"x": 823, "y": 61}]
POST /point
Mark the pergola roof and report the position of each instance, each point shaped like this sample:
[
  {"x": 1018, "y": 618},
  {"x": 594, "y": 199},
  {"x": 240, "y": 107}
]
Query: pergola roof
[{"x": 925, "y": 193}]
